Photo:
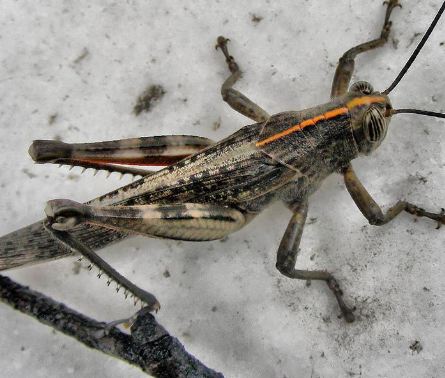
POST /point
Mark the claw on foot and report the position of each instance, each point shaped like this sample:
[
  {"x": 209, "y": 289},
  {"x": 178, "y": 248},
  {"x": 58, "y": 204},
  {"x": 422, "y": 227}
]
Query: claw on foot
[
  {"x": 348, "y": 313},
  {"x": 221, "y": 43},
  {"x": 391, "y": 4},
  {"x": 419, "y": 212},
  {"x": 441, "y": 219},
  {"x": 126, "y": 322}
]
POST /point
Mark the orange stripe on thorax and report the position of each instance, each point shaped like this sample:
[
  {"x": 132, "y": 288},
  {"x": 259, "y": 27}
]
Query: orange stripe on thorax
[
  {"x": 308, "y": 122},
  {"x": 364, "y": 100},
  {"x": 358, "y": 101}
]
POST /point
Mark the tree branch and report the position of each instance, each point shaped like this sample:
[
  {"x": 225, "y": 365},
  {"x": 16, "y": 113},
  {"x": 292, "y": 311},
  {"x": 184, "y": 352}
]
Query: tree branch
[{"x": 149, "y": 346}]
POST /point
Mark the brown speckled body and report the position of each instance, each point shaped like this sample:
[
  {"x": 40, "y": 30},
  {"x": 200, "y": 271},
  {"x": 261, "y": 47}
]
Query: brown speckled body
[
  {"x": 218, "y": 188},
  {"x": 233, "y": 172}
]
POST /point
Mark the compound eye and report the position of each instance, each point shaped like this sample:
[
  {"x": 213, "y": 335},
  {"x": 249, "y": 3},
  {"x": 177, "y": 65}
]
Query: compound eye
[
  {"x": 362, "y": 87},
  {"x": 375, "y": 125}
]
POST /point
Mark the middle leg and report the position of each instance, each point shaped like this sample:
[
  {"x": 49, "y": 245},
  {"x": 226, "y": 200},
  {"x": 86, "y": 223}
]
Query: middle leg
[
  {"x": 234, "y": 98},
  {"x": 287, "y": 257}
]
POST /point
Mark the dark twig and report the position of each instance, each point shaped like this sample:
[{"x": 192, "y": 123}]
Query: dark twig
[{"x": 149, "y": 346}]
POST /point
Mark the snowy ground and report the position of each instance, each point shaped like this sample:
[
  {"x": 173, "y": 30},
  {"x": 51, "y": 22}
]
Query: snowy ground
[{"x": 74, "y": 70}]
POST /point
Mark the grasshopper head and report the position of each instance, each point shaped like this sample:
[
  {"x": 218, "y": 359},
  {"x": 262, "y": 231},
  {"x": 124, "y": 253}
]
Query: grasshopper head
[
  {"x": 370, "y": 114},
  {"x": 371, "y": 111}
]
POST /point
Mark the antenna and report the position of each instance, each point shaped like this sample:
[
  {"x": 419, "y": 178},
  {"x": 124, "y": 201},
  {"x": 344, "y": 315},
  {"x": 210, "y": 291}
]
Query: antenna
[
  {"x": 417, "y": 111},
  {"x": 416, "y": 52}
]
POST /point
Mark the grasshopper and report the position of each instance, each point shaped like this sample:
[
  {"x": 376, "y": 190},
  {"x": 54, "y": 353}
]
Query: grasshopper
[{"x": 208, "y": 190}]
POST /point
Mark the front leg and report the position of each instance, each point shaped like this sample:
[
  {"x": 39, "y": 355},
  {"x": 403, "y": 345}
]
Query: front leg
[
  {"x": 372, "y": 211},
  {"x": 287, "y": 257},
  {"x": 345, "y": 67}
]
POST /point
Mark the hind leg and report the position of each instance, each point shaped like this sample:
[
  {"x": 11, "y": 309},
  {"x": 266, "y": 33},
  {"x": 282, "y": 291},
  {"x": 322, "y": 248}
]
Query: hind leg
[
  {"x": 129, "y": 288},
  {"x": 111, "y": 155},
  {"x": 187, "y": 221}
]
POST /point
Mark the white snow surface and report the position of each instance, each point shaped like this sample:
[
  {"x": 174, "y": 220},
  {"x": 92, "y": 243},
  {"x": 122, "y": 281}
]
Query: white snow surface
[{"x": 225, "y": 300}]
